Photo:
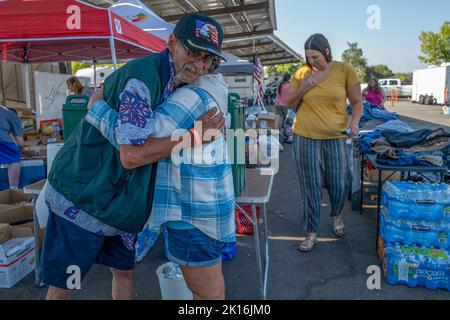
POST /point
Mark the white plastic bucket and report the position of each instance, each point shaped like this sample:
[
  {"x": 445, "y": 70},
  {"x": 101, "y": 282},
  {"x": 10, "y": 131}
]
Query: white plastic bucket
[{"x": 172, "y": 289}]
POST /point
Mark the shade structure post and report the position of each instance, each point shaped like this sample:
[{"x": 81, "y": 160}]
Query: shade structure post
[
  {"x": 26, "y": 79},
  {"x": 111, "y": 40},
  {"x": 95, "y": 74}
]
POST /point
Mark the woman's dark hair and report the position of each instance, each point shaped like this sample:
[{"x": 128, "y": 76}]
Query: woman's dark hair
[
  {"x": 377, "y": 87},
  {"x": 319, "y": 43},
  {"x": 286, "y": 79}
]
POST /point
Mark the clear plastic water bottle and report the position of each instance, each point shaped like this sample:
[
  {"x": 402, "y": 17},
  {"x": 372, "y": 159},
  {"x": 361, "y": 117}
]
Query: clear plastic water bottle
[{"x": 349, "y": 140}]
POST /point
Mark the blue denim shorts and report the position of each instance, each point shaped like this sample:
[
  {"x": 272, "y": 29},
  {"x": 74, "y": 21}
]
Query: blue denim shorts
[{"x": 192, "y": 248}]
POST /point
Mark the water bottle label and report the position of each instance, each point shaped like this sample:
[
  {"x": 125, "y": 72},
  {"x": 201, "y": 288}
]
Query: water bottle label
[
  {"x": 426, "y": 202},
  {"x": 403, "y": 271},
  {"x": 420, "y": 228}
]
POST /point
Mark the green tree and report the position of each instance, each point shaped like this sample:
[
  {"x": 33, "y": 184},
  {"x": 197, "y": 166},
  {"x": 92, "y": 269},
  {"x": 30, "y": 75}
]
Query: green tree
[
  {"x": 405, "y": 77},
  {"x": 289, "y": 68},
  {"x": 380, "y": 71},
  {"x": 354, "y": 56},
  {"x": 78, "y": 66},
  {"x": 436, "y": 46}
]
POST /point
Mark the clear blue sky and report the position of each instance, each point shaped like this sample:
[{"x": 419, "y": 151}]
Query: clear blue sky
[{"x": 396, "y": 44}]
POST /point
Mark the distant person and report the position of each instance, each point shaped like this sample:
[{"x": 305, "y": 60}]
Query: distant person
[
  {"x": 374, "y": 94},
  {"x": 10, "y": 147},
  {"x": 74, "y": 85},
  {"x": 282, "y": 91},
  {"x": 320, "y": 90}
]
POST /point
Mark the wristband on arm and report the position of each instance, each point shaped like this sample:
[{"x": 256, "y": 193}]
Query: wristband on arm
[{"x": 195, "y": 137}]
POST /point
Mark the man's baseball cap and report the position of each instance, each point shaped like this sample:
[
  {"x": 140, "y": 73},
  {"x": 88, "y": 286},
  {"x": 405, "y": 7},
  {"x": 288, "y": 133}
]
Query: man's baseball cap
[{"x": 200, "y": 32}]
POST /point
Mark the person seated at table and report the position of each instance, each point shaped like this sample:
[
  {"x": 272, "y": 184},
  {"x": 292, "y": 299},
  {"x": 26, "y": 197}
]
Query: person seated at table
[
  {"x": 11, "y": 142},
  {"x": 374, "y": 94}
]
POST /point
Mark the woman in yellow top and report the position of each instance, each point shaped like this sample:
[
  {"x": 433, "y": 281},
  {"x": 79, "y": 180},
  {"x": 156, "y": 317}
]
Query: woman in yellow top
[{"x": 321, "y": 127}]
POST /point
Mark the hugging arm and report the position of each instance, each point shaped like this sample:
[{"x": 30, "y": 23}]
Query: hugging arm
[{"x": 136, "y": 130}]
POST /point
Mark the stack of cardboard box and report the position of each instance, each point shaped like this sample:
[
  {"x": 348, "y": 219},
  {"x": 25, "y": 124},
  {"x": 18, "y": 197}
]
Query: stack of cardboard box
[
  {"x": 17, "y": 246},
  {"x": 28, "y": 119},
  {"x": 265, "y": 121},
  {"x": 36, "y": 145}
]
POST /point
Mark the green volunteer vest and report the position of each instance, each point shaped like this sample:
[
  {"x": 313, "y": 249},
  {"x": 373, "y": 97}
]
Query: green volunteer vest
[{"x": 88, "y": 171}]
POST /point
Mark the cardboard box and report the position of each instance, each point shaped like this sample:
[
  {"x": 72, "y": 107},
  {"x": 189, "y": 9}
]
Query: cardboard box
[
  {"x": 372, "y": 175},
  {"x": 29, "y": 123},
  {"x": 31, "y": 142},
  {"x": 14, "y": 197},
  {"x": 21, "y": 221},
  {"x": 269, "y": 121},
  {"x": 38, "y": 151},
  {"x": 23, "y": 112},
  {"x": 17, "y": 255},
  {"x": 17, "y": 259},
  {"x": 5, "y": 232},
  {"x": 5, "y": 206}
]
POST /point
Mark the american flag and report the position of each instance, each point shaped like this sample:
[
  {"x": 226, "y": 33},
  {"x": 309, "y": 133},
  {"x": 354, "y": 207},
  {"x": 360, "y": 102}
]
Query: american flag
[{"x": 258, "y": 75}]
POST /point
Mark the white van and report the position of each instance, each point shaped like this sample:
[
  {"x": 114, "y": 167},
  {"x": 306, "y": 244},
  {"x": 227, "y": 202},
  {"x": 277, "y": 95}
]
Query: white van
[{"x": 101, "y": 73}]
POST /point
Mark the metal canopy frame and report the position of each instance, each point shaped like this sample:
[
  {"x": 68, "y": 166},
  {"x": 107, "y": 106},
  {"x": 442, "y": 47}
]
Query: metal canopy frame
[{"x": 249, "y": 25}]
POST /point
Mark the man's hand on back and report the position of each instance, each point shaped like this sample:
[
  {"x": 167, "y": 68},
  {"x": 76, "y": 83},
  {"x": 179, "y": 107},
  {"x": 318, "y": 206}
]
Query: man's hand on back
[
  {"x": 95, "y": 96},
  {"x": 212, "y": 125}
]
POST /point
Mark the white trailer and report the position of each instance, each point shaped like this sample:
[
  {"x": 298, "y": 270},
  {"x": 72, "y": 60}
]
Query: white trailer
[
  {"x": 240, "y": 84},
  {"x": 97, "y": 75},
  {"x": 434, "y": 80}
]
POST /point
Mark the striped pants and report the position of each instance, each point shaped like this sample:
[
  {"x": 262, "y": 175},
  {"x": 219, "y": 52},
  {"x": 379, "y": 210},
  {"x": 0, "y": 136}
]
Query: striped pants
[{"x": 321, "y": 164}]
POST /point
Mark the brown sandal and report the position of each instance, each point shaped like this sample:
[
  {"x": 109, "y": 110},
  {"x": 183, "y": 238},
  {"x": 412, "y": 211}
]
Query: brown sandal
[
  {"x": 339, "y": 231},
  {"x": 307, "y": 245}
]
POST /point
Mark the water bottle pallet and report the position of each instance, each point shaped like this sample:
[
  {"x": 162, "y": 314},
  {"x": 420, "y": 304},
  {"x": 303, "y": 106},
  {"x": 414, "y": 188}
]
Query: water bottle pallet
[
  {"x": 415, "y": 232},
  {"x": 417, "y": 267},
  {"x": 417, "y": 201}
]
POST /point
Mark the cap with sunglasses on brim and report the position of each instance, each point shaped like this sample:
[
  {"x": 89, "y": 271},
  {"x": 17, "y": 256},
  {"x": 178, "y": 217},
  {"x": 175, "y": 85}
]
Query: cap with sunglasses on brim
[{"x": 199, "y": 32}]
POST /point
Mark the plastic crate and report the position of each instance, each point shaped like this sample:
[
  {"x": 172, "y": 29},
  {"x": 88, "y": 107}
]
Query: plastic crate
[
  {"x": 237, "y": 112},
  {"x": 74, "y": 110}
]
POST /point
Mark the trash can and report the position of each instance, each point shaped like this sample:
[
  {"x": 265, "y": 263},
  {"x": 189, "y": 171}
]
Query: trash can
[
  {"x": 172, "y": 288},
  {"x": 237, "y": 112},
  {"x": 74, "y": 110}
]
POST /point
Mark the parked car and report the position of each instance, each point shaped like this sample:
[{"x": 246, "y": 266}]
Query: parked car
[{"x": 404, "y": 91}]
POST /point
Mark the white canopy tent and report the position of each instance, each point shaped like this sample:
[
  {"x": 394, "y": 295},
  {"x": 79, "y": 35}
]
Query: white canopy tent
[{"x": 142, "y": 17}]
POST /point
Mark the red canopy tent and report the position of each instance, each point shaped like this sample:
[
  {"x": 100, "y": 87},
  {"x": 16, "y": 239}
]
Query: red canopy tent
[{"x": 34, "y": 31}]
